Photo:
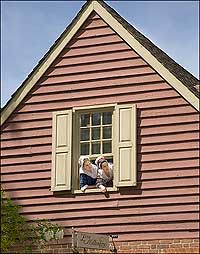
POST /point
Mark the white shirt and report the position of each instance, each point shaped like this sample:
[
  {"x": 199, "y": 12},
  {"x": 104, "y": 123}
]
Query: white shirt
[{"x": 92, "y": 173}]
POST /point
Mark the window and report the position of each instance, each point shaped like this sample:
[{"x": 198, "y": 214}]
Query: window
[
  {"x": 108, "y": 130},
  {"x": 95, "y": 132}
]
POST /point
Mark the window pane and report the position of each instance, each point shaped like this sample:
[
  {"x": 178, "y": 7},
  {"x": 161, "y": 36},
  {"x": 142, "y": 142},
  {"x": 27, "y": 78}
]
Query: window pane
[
  {"x": 96, "y": 119},
  {"x": 107, "y": 132},
  {"x": 107, "y": 118},
  {"x": 85, "y": 149},
  {"x": 85, "y": 120},
  {"x": 85, "y": 134},
  {"x": 107, "y": 147},
  {"x": 95, "y": 133},
  {"x": 96, "y": 148}
]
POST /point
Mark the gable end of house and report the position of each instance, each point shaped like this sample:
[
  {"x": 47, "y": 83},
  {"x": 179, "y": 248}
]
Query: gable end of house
[{"x": 179, "y": 78}]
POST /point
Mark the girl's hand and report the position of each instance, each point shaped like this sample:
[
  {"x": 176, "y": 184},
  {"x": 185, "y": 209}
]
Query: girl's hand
[{"x": 103, "y": 188}]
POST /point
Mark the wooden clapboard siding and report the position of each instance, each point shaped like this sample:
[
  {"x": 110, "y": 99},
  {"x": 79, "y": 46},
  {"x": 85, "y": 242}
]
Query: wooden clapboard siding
[
  {"x": 114, "y": 204},
  {"x": 42, "y": 197},
  {"x": 140, "y": 82},
  {"x": 58, "y": 211},
  {"x": 111, "y": 213},
  {"x": 130, "y": 223},
  {"x": 33, "y": 200},
  {"x": 175, "y": 179},
  {"x": 98, "y": 67}
]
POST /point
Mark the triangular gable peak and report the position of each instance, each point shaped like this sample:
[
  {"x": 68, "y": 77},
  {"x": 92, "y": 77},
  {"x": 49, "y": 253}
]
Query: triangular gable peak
[{"x": 184, "y": 86}]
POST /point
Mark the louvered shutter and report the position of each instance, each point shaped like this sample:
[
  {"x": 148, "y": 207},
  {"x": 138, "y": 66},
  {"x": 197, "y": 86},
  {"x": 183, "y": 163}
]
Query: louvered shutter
[
  {"x": 125, "y": 145},
  {"x": 61, "y": 150}
]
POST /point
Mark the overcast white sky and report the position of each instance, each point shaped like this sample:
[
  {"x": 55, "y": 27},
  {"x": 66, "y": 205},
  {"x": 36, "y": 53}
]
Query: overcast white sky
[{"x": 29, "y": 28}]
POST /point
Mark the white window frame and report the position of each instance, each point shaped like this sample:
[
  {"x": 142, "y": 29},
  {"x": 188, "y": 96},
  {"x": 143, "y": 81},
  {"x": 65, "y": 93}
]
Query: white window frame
[
  {"x": 65, "y": 147},
  {"x": 77, "y": 111}
]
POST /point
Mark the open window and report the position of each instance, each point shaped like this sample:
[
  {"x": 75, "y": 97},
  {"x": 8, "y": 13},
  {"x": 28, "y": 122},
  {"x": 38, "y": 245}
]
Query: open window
[
  {"x": 108, "y": 130},
  {"x": 94, "y": 135}
]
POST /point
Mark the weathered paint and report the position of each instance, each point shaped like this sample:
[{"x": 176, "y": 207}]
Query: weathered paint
[{"x": 97, "y": 67}]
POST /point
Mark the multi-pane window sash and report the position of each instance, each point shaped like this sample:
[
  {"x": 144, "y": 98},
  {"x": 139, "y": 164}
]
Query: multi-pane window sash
[
  {"x": 96, "y": 133},
  {"x": 69, "y": 132}
]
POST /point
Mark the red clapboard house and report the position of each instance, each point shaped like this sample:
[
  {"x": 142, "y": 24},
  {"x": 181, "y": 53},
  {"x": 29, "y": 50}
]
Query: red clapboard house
[{"x": 101, "y": 66}]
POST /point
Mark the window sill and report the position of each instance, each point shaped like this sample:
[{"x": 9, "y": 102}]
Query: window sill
[{"x": 95, "y": 190}]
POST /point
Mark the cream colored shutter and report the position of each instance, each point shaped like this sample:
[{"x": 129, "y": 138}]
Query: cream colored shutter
[
  {"x": 61, "y": 150},
  {"x": 125, "y": 146}
]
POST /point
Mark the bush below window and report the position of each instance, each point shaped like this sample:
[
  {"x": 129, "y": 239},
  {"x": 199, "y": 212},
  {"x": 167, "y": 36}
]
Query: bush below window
[{"x": 15, "y": 231}]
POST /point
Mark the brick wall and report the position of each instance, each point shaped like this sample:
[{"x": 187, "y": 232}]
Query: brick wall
[{"x": 155, "y": 246}]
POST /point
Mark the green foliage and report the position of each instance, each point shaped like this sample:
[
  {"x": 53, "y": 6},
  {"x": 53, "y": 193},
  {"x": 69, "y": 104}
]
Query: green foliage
[
  {"x": 16, "y": 231},
  {"x": 12, "y": 223}
]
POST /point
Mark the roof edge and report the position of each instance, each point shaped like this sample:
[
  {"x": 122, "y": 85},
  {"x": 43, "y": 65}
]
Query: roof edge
[
  {"x": 144, "y": 47},
  {"x": 144, "y": 41},
  {"x": 181, "y": 80},
  {"x": 12, "y": 103}
]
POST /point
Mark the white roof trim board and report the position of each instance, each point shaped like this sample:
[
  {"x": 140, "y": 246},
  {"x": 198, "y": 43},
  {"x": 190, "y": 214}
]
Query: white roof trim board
[{"x": 68, "y": 34}]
